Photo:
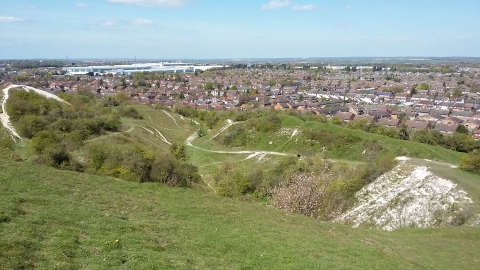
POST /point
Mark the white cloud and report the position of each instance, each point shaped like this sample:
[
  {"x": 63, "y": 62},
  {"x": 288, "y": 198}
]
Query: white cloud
[
  {"x": 80, "y": 5},
  {"x": 348, "y": 7},
  {"x": 275, "y": 4},
  {"x": 304, "y": 7},
  {"x": 107, "y": 23},
  {"x": 143, "y": 22},
  {"x": 152, "y": 3},
  {"x": 28, "y": 7},
  {"x": 10, "y": 19}
]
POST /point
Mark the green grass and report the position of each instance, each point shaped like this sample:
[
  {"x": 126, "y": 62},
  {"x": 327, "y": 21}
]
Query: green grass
[{"x": 59, "y": 219}]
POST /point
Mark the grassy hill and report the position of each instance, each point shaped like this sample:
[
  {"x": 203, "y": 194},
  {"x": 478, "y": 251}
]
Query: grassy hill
[
  {"x": 60, "y": 219},
  {"x": 175, "y": 128}
]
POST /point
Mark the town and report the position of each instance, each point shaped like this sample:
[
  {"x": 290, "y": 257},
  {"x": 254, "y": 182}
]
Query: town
[{"x": 417, "y": 95}]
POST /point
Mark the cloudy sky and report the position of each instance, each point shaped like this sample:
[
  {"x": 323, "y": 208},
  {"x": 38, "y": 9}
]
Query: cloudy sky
[{"x": 213, "y": 29}]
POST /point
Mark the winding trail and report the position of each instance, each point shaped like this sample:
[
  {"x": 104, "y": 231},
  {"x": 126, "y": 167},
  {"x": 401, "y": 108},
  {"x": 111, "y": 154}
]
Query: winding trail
[
  {"x": 192, "y": 137},
  {"x": 161, "y": 137},
  {"x": 5, "y": 118},
  {"x": 167, "y": 113},
  {"x": 229, "y": 124}
]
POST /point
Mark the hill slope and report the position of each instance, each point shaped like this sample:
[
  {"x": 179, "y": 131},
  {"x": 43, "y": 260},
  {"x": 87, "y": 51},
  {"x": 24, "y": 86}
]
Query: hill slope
[
  {"x": 411, "y": 195},
  {"x": 60, "y": 219}
]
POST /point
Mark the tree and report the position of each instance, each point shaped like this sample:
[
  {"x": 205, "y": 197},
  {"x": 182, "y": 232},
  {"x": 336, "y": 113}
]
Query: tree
[
  {"x": 462, "y": 129},
  {"x": 424, "y": 86},
  {"x": 178, "y": 151},
  {"x": 471, "y": 162},
  {"x": 272, "y": 82},
  {"x": 457, "y": 93},
  {"x": 208, "y": 86},
  {"x": 177, "y": 77},
  {"x": 413, "y": 91}
]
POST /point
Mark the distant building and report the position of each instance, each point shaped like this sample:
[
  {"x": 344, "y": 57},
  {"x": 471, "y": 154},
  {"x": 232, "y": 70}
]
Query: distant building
[{"x": 177, "y": 67}]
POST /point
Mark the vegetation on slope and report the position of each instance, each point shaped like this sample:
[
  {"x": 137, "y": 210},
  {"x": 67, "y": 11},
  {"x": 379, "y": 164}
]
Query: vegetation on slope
[
  {"x": 62, "y": 219},
  {"x": 59, "y": 136},
  {"x": 326, "y": 162}
]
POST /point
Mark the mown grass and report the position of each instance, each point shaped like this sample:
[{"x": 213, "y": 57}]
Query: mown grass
[{"x": 60, "y": 219}]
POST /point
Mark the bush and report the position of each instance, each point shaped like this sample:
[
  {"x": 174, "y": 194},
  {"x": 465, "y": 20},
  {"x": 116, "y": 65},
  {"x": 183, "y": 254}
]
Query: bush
[
  {"x": 129, "y": 112},
  {"x": 471, "y": 162},
  {"x": 29, "y": 125},
  {"x": 302, "y": 193}
]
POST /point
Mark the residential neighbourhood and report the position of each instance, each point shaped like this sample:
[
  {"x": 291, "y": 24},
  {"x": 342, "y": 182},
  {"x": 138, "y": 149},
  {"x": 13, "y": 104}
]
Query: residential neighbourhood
[{"x": 439, "y": 97}]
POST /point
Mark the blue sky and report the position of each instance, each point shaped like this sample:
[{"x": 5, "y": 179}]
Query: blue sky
[{"x": 213, "y": 29}]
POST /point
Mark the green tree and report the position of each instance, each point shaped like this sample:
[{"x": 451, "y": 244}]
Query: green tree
[
  {"x": 424, "y": 86},
  {"x": 178, "y": 151},
  {"x": 471, "y": 162},
  {"x": 457, "y": 93},
  {"x": 208, "y": 86},
  {"x": 413, "y": 91},
  {"x": 462, "y": 129}
]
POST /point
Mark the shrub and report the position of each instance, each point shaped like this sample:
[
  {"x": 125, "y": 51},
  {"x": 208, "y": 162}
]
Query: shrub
[
  {"x": 302, "y": 193},
  {"x": 471, "y": 162},
  {"x": 129, "y": 112}
]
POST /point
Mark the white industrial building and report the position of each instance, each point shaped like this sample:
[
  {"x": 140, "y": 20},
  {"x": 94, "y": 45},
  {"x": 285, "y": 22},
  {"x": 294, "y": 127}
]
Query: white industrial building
[{"x": 168, "y": 67}]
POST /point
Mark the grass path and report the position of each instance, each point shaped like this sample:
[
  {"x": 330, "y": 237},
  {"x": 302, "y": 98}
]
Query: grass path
[
  {"x": 161, "y": 137},
  {"x": 190, "y": 139},
  {"x": 174, "y": 120},
  {"x": 291, "y": 137},
  {"x": 229, "y": 124}
]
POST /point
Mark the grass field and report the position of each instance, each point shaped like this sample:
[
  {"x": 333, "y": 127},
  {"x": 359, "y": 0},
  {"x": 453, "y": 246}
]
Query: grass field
[{"x": 52, "y": 219}]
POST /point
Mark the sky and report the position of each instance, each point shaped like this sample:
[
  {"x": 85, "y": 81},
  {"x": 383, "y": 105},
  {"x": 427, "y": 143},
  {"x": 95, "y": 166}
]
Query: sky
[{"x": 238, "y": 29}]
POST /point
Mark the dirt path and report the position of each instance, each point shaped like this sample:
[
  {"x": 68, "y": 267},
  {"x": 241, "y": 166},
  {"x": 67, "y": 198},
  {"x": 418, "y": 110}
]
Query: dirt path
[
  {"x": 291, "y": 137},
  {"x": 190, "y": 139},
  {"x": 4, "y": 116},
  {"x": 161, "y": 137},
  {"x": 174, "y": 120},
  {"x": 229, "y": 124}
]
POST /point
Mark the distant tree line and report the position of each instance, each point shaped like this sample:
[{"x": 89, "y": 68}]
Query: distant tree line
[{"x": 25, "y": 64}]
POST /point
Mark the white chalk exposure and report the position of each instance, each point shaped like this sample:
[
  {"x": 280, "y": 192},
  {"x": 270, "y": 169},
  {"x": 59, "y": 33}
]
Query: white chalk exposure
[{"x": 406, "y": 196}]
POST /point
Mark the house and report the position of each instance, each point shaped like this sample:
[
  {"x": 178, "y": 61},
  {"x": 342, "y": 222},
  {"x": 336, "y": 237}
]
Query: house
[
  {"x": 401, "y": 97},
  {"x": 370, "y": 119},
  {"x": 281, "y": 106},
  {"x": 380, "y": 114},
  {"x": 417, "y": 125},
  {"x": 389, "y": 122},
  {"x": 345, "y": 116},
  {"x": 411, "y": 115},
  {"x": 476, "y": 135},
  {"x": 396, "y": 115},
  {"x": 446, "y": 128}
]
